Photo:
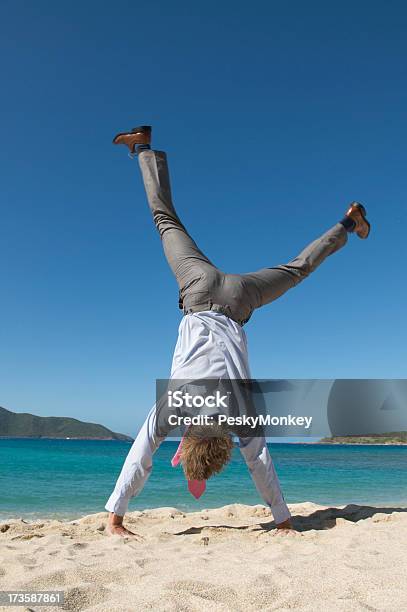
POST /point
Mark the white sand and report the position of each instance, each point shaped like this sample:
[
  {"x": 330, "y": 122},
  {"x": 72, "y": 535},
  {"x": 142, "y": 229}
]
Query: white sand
[{"x": 354, "y": 558}]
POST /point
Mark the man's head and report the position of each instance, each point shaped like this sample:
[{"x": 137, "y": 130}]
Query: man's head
[{"x": 205, "y": 451}]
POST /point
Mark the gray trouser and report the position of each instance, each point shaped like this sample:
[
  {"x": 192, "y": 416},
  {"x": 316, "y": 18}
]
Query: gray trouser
[{"x": 202, "y": 286}]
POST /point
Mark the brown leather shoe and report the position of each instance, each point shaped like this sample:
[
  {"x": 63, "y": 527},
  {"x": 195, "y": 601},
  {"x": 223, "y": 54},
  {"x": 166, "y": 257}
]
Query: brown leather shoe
[
  {"x": 138, "y": 136},
  {"x": 357, "y": 213}
]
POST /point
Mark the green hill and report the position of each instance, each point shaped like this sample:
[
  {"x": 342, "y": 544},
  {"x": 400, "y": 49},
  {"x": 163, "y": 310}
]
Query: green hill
[
  {"x": 25, "y": 425},
  {"x": 393, "y": 437}
]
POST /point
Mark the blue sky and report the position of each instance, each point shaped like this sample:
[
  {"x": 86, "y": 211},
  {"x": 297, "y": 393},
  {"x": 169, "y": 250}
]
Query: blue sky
[{"x": 274, "y": 116}]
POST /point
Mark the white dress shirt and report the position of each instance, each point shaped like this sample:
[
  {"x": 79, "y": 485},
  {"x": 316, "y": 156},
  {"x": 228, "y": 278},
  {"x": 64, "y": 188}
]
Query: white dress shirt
[{"x": 209, "y": 345}]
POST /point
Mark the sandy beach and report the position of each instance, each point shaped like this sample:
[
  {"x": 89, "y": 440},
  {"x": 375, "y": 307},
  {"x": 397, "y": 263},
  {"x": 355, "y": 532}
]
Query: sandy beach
[{"x": 231, "y": 558}]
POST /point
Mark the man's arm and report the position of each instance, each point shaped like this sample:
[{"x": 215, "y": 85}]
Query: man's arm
[
  {"x": 137, "y": 466},
  {"x": 261, "y": 468}
]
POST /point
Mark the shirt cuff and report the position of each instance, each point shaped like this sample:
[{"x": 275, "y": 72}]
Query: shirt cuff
[
  {"x": 280, "y": 512},
  {"x": 118, "y": 506}
]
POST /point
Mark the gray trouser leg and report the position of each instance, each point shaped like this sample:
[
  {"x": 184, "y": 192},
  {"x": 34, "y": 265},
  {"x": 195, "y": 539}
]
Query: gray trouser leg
[
  {"x": 202, "y": 285},
  {"x": 268, "y": 284},
  {"x": 183, "y": 255}
]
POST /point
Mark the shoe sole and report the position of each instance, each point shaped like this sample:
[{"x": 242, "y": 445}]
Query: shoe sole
[
  {"x": 363, "y": 211},
  {"x": 142, "y": 129}
]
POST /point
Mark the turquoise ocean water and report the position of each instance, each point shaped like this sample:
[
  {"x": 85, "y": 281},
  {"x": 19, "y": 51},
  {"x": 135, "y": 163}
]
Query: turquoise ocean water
[{"x": 69, "y": 478}]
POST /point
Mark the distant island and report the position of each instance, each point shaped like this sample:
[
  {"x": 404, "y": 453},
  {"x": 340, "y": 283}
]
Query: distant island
[
  {"x": 25, "y": 425},
  {"x": 394, "y": 437}
]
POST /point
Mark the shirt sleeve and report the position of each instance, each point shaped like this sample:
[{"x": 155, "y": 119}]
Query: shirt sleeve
[
  {"x": 137, "y": 466},
  {"x": 261, "y": 468}
]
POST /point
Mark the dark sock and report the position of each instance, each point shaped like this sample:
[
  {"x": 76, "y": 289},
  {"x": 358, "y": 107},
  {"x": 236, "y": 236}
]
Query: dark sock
[
  {"x": 142, "y": 147},
  {"x": 348, "y": 223}
]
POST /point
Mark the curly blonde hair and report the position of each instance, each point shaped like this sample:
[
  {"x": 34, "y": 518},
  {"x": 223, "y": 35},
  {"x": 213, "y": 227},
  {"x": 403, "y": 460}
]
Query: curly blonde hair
[{"x": 205, "y": 451}]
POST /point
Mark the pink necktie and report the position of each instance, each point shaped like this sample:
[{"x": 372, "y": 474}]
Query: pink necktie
[{"x": 195, "y": 487}]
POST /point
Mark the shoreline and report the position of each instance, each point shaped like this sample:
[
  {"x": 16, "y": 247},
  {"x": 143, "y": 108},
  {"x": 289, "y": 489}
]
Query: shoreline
[
  {"x": 130, "y": 441},
  {"x": 63, "y": 438},
  {"x": 360, "y": 443}
]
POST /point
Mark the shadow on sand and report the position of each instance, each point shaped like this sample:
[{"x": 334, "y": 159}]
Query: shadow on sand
[
  {"x": 319, "y": 520},
  {"x": 326, "y": 518}
]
